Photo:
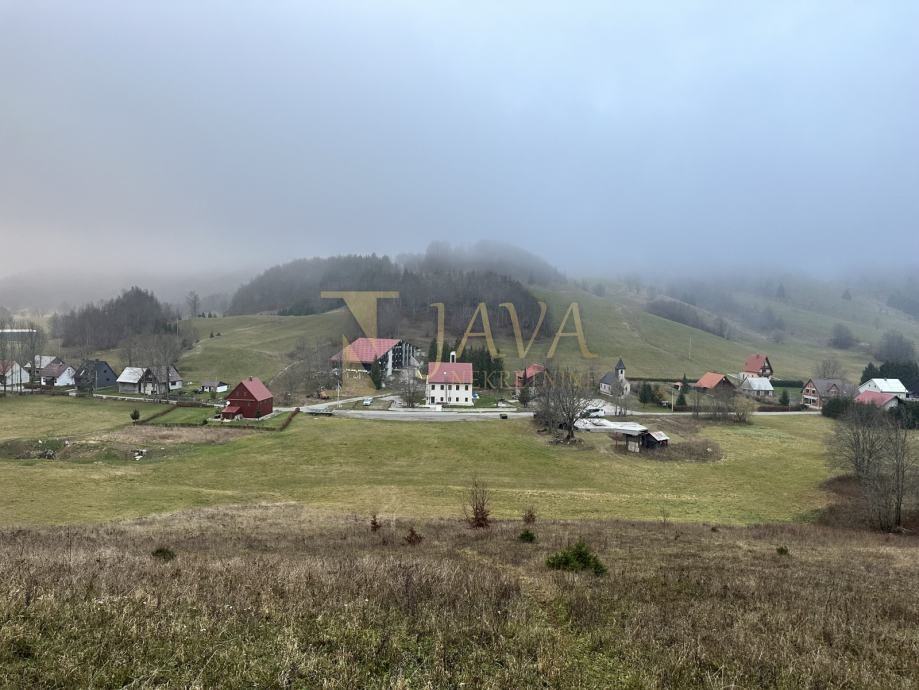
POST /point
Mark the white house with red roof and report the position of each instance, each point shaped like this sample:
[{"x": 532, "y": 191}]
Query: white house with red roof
[
  {"x": 391, "y": 354},
  {"x": 885, "y": 401},
  {"x": 449, "y": 383}
]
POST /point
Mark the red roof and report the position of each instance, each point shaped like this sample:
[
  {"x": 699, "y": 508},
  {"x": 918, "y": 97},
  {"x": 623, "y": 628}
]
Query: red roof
[
  {"x": 231, "y": 409},
  {"x": 874, "y": 398},
  {"x": 530, "y": 373},
  {"x": 256, "y": 388},
  {"x": 365, "y": 350},
  {"x": 755, "y": 363},
  {"x": 450, "y": 372},
  {"x": 710, "y": 380}
]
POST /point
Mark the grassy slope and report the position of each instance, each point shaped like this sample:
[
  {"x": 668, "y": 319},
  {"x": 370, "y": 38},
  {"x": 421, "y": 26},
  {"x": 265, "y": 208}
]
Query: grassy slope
[
  {"x": 254, "y": 345},
  {"x": 279, "y": 596},
  {"x": 772, "y": 472},
  {"x": 37, "y": 417},
  {"x": 616, "y": 326}
]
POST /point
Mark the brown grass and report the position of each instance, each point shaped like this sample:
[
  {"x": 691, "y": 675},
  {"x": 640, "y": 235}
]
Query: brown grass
[{"x": 279, "y": 596}]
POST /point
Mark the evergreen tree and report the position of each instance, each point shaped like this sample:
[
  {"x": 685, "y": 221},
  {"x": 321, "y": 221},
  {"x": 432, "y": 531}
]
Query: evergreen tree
[
  {"x": 783, "y": 399},
  {"x": 870, "y": 372},
  {"x": 376, "y": 375}
]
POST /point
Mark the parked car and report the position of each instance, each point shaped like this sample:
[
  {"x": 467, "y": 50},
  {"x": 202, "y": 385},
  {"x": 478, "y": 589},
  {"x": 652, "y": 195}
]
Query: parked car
[
  {"x": 368, "y": 402},
  {"x": 594, "y": 412}
]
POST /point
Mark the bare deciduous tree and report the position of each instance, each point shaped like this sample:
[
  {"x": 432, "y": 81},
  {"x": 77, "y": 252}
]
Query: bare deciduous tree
[
  {"x": 879, "y": 452},
  {"x": 411, "y": 389},
  {"x": 830, "y": 368},
  {"x": 562, "y": 399}
]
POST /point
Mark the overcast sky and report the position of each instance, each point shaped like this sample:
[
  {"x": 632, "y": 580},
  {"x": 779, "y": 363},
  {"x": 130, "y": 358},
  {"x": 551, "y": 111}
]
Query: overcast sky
[{"x": 596, "y": 134}]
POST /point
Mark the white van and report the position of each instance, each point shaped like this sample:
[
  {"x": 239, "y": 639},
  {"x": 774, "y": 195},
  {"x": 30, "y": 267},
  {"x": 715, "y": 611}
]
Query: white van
[{"x": 594, "y": 412}]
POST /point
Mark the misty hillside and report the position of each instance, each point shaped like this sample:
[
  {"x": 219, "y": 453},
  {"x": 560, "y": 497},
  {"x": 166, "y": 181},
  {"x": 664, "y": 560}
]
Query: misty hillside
[{"x": 459, "y": 278}]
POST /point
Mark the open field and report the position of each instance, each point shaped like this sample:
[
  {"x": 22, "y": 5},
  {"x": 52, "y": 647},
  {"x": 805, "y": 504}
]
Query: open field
[
  {"x": 772, "y": 470},
  {"x": 282, "y": 596},
  {"x": 185, "y": 415},
  {"x": 38, "y": 416}
]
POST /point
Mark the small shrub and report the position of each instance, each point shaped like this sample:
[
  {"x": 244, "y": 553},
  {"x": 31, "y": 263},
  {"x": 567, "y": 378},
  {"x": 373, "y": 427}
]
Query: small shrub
[
  {"x": 163, "y": 553},
  {"x": 576, "y": 558},
  {"x": 21, "y": 649},
  {"x": 782, "y": 550},
  {"x": 374, "y": 523},
  {"x": 477, "y": 511},
  {"x": 412, "y": 538},
  {"x": 527, "y": 537},
  {"x": 529, "y": 515},
  {"x": 135, "y": 414}
]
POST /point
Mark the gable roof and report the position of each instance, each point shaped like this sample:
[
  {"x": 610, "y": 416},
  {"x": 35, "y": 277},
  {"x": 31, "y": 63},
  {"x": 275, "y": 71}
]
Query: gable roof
[
  {"x": 55, "y": 369},
  {"x": 711, "y": 379},
  {"x": 755, "y": 363},
  {"x": 42, "y": 361},
  {"x": 256, "y": 388},
  {"x": 450, "y": 372},
  {"x": 609, "y": 378},
  {"x": 132, "y": 374},
  {"x": 529, "y": 373},
  {"x": 874, "y": 398},
  {"x": 365, "y": 350},
  {"x": 159, "y": 373},
  {"x": 757, "y": 383},
  {"x": 5, "y": 366},
  {"x": 894, "y": 386},
  {"x": 823, "y": 386}
]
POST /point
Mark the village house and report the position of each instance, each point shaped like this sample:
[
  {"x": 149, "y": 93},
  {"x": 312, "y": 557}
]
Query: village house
[
  {"x": 58, "y": 374},
  {"x": 884, "y": 401},
  {"x": 391, "y": 355},
  {"x": 757, "y": 387},
  {"x": 449, "y": 383},
  {"x": 12, "y": 376},
  {"x": 531, "y": 377},
  {"x": 757, "y": 365},
  {"x": 251, "y": 399},
  {"x": 94, "y": 374},
  {"x": 612, "y": 378},
  {"x": 159, "y": 380},
  {"x": 713, "y": 382},
  {"x": 817, "y": 392},
  {"x": 892, "y": 386},
  {"x": 213, "y": 387},
  {"x": 129, "y": 379}
]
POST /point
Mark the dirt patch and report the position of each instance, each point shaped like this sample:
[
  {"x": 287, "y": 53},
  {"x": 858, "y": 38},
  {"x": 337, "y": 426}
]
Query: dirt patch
[{"x": 141, "y": 435}]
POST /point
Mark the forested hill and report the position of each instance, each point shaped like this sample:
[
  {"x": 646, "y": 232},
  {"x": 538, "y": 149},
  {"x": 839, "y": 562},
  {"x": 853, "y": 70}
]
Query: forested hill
[{"x": 438, "y": 276}]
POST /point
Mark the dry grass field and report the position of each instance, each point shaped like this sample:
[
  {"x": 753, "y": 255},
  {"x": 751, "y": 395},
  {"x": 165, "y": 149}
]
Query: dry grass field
[{"x": 284, "y": 597}]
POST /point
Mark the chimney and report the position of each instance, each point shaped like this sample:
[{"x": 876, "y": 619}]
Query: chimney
[{"x": 453, "y": 356}]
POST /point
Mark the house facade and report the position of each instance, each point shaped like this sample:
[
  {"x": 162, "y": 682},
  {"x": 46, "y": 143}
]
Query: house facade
[
  {"x": 449, "y": 383},
  {"x": 817, "y": 392},
  {"x": 251, "y": 399},
  {"x": 12, "y": 376},
  {"x": 531, "y": 376},
  {"x": 94, "y": 374},
  {"x": 58, "y": 374},
  {"x": 129, "y": 379},
  {"x": 713, "y": 382},
  {"x": 160, "y": 380},
  {"x": 391, "y": 355},
  {"x": 615, "y": 379},
  {"x": 892, "y": 386},
  {"x": 884, "y": 401},
  {"x": 757, "y": 387},
  {"x": 757, "y": 365},
  {"x": 213, "y": 387}
]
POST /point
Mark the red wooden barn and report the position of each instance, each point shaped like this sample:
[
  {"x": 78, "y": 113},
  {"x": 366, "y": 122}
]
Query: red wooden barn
[{"x": 251, "y": 399}]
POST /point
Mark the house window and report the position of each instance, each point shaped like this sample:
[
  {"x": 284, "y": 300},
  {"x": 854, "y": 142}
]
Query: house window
[{"x": 467, "y": 386}]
